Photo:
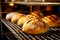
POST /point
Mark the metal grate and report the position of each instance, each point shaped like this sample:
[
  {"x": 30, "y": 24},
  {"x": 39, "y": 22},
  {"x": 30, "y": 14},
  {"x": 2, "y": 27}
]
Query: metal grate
[
  {"x": 53, "y": 34},
  {"x": 9, "y": 36}
]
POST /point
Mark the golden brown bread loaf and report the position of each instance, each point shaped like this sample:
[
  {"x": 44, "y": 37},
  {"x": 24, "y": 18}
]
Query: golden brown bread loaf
[
  {"x": 37, "y": 14},
  {"x": 10, "y": 15},
  {"x": 22, "y": 20},
  {"x": 34, "y": 26},
  {"x": 51, "y": 20},
  {"x": 15, "y": 18}
]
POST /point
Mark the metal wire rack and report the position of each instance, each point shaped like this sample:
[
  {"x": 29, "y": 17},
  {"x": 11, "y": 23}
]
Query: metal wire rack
[{"x": 53, "y": 34}]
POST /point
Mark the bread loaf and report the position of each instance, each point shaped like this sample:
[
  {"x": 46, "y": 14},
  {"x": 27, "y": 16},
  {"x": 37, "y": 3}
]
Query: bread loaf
[
  {"x": 51, "y": 20},
  {"x": 34, "y": 26},
  {"x": 22, "y": 20},
  {"x": 10, "y": 15},
  {"x": 15, "y": 18}
]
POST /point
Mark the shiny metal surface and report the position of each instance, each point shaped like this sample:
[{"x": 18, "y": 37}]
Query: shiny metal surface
[{"x": 37, "y": 3}]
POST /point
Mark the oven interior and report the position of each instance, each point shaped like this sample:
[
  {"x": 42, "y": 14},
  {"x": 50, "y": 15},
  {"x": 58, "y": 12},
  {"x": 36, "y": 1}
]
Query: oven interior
[{"x": 10, "y": 29}]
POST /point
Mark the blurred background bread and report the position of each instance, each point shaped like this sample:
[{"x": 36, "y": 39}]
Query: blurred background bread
[
  {"x": 51, "y": 20},
  {"x": 15, "y": 18},
  {"x": 10, "y": 15},
  {"x": 37, "y": 14}
]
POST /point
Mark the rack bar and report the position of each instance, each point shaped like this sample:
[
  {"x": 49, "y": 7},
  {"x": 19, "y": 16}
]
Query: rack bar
[{"x": 37, "y": 3}]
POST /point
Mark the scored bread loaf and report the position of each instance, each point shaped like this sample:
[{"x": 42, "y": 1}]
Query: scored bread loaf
[
  {"x": 51, "y": 20},
  {"x": 10, "y": 15},
  {"x": 34, "y": 26},
  {"x": 15, "y": 18},
  {"x": 37, "y": 14},
  {"x": 22, "y": 20}
]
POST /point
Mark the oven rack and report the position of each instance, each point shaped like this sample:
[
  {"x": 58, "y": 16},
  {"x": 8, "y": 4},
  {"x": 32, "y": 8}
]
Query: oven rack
[
  {"x": 53, "y": 34},
  {"x": 9, "y": 36},
  {"x": 36, "y": 3}
]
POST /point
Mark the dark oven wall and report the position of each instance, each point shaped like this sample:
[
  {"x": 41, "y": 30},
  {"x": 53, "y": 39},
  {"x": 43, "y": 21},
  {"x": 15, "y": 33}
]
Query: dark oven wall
[
  {"x": 6, "y": 8},
  {"x": 16, "y": 8}
]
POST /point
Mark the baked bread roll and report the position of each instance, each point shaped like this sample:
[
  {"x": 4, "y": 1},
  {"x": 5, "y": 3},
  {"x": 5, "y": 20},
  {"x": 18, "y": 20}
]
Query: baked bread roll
[
  {"x": 37, "y": 14},
  {"x": 22, "y": 20},
  {"x": 10, "y": 15},
  {"x": 15, "y": 18},
  {"x": 51, "y": 20},
  {"x": 34, "y": 26}
]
